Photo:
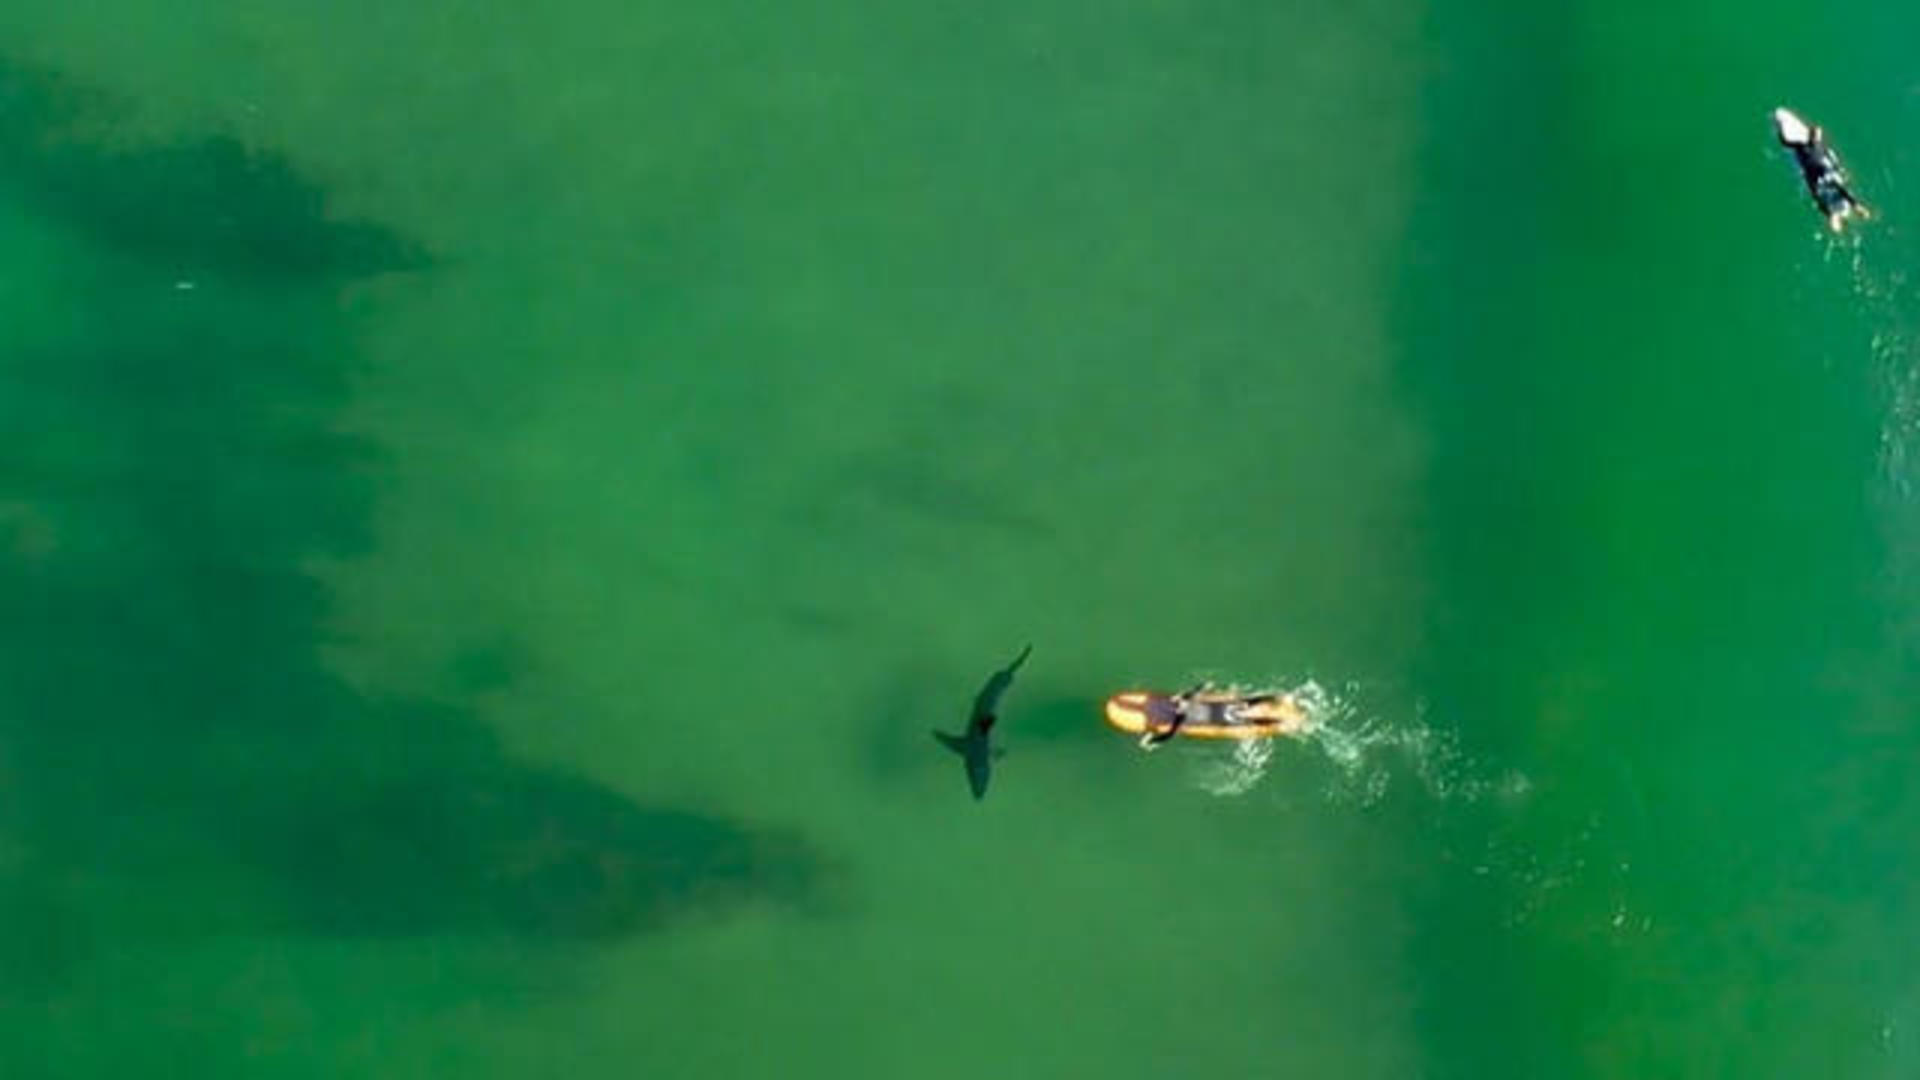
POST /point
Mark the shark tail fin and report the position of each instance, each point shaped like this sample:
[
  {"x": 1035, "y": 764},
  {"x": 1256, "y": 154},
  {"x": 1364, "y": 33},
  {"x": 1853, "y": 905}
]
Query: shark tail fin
[{"x": 952, "y": 742}]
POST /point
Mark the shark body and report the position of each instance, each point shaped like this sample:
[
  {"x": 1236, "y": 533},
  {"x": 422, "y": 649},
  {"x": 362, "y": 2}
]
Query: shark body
[{"x": 975, "y": 747}]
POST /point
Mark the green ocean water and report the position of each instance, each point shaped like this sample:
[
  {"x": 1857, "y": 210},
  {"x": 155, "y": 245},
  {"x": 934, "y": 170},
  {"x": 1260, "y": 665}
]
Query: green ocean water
[{"x": 492, "y": 503}]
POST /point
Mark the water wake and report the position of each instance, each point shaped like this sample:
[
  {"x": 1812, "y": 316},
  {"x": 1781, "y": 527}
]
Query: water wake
[
  {"x": 1365, "y": 752},
  {"x": 1886, "y": 298},
  {"x": 1888, "y": 302}
]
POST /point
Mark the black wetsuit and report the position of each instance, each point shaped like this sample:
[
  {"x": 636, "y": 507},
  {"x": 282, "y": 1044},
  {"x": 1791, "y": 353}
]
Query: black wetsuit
[
  {"x": 1825, "y": 178},
  {"x": 1165, "y": 718}
]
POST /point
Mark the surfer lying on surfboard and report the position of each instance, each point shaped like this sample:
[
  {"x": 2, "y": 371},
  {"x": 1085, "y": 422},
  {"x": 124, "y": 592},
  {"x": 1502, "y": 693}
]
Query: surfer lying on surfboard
[
  {"x": 1820, "y": 169},
  {"x": 1204, "y": 712}
]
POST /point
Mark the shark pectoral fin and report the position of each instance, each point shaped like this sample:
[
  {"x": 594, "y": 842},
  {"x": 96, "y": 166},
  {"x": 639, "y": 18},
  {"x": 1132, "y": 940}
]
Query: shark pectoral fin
[{"x": 952, "y": 742}]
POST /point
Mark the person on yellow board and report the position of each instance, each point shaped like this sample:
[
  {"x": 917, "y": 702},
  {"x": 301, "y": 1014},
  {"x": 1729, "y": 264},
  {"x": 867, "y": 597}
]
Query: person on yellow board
[{"x": 1166, "y": 716}]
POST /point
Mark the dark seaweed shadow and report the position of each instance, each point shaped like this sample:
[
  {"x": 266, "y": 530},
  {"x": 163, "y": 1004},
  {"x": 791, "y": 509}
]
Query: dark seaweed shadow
[
  {"x": 210, "y": 207},
  {"x": 925, "y": 491},
  {"x": 507, "y": 849},
  {"x": 174, "y": 759}
]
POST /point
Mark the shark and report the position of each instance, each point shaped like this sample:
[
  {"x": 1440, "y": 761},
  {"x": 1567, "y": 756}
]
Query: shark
[{"x": 975, "y": 747}]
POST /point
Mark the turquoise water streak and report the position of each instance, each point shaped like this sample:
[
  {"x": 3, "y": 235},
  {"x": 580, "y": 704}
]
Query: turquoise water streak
[{"x": 494, "y": 503}]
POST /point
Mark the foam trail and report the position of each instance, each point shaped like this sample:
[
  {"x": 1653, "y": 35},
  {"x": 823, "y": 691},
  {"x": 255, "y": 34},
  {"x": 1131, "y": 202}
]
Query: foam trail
[
  {"x": 1365, "y": 752},
  {"x": 1888, "y": 301},
  {"x": 1369, "y": 751},
  {"x": 1245, "y": 763}
]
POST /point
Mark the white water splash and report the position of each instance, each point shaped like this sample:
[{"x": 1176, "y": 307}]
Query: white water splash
[
  {"x": 1242, "y": 767},
  {"x": 1370, "y": 752},
  {"x": 1366, "y": 753}
]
